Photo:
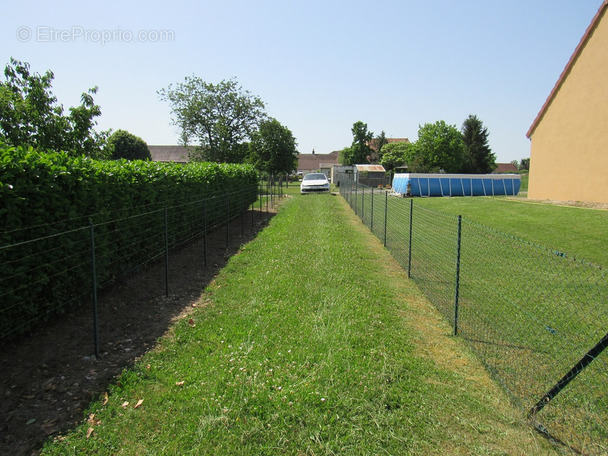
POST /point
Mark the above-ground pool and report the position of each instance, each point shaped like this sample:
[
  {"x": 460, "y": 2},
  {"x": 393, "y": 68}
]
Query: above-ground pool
[{"x": 421, "y": 184}]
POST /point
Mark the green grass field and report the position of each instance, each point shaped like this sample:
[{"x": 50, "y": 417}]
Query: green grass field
[
  {"x": 529, "y": 312},
  {"x": 311, "y": 341},
  {"x": 581, "y": 232}
]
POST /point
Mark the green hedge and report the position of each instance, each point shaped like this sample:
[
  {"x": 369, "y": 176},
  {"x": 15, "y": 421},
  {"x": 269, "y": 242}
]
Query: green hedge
[{"x": 48, "y": 202}]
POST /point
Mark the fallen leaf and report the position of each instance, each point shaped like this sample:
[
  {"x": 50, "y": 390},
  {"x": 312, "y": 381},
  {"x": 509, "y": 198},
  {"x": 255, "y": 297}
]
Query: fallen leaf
[
  {"x": 191, "y": 322},
  {"x": 89, "y": 432},
  {"x": 139, "y": 402},
  {"x": 179, "y": 383},
  {"x": 31, "y": 421},
  {"x": 105, "y": 398},
  {"x": 124, "y": 404}
]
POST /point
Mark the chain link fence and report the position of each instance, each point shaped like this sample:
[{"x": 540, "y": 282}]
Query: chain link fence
[{"x": 536, "y": 317}]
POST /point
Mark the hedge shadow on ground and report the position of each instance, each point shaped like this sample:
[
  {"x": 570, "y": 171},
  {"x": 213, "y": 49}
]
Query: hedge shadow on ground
[{"x": 49, "y": 377}]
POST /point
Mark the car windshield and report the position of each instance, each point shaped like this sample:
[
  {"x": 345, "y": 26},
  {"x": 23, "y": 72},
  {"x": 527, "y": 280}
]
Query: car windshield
[{"x": 315, "y": 176}]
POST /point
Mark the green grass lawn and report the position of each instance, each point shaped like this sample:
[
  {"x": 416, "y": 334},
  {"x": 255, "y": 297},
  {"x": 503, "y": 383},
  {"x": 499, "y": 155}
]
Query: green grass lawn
[
  {"x": 311, "y": 341},
  {"x": 529, "y": 312},
  {"x": 581, "y": 232},
  {"x": 525, "y": 179}
]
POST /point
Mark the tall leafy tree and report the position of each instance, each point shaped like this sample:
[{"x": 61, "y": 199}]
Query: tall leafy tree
[
  {"x": 378, "y": 143},
  {"x": 31, "y": 116},
  {"x": 219, "y": 118},
  {"x": 273, "y": 148},
  {"x": 396, "y": 154},
  {"x": 359, "y": 152},
  {"x": 440, "y": 147},
  {"x": 344, "y": 156},
  {"x": 122, "y": 144},
  {"x": 479, "y": 157}
]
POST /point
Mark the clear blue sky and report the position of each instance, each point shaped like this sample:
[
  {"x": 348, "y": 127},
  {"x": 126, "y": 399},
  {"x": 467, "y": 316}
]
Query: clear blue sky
[{"x": 319, "y": 66}]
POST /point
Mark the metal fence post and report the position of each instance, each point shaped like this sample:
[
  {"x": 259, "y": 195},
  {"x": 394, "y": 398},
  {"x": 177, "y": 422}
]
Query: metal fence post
[
  {"x": 371, "y": 222},
  {"x": 363, "y": 205},
  {"x": 94, "y": 277},
  {"x": 409, "y": 253},
  {"x": 252, "y": 209},
  {"x": 227, "y": 219},
  {"x": 350, "y": 193},
  {"x": 456, "y": 293},
  {"x": 577, "y": 369},
  {"x": 205, "y": 231},
  {"x": 242, "y": 213},
  {"x": 166, "y": 253},
  {"x": 385, "y": 215}
]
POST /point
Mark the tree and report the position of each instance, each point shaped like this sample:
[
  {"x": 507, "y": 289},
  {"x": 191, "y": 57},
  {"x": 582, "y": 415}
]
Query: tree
[
  {"x": 524, "y": 164},
  {"x": 122, "y": 144},
  {"x": 395, "y": 154},
  {"x": 273, "y": 148},
  {"x": 219, "y": 117},
  {"x": 479, "y": 157},
  {"x": 359, "y": 152},
  {"x": 31, "y": 116},
  {"x": 377, "y": 144},
  {"x": 440, "y": 147},
  {"x": 344, "y": 156}
]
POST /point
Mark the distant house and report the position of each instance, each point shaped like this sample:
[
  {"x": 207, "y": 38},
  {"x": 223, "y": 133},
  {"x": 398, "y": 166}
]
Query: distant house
[
  {"x": 166, "y": 154},
  {"x": 309, "y": 163},
  {"x": 569, "y": 137},
  {"x": 505, "y": 168}
]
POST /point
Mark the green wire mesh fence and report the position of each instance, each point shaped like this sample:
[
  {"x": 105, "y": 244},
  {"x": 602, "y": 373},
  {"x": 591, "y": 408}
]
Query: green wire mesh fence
[
  {"x": 50, "y": 269},
  {"x": 536, "y": 318}
]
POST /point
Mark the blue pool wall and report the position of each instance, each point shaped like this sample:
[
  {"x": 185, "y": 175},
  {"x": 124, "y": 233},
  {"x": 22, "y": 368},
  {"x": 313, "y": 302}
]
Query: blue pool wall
[{"x": 421, "y": 184}]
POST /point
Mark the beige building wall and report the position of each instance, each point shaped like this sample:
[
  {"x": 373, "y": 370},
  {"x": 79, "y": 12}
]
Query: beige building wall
[{"x": 569, "y": 149}]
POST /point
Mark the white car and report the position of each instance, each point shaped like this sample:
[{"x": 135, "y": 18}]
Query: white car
[{"x": 314, "y": 183}]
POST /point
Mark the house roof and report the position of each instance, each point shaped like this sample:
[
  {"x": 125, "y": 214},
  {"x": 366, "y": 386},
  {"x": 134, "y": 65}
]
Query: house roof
[
  {"x": 370, "y": 168},
  {"x": 569, "y": 65},
  {"x": 505, "y": 168},
  {"x": 177, "y": 154},
  {"x": 313, "y": 161},
  {"x": 372, "y": 143}
]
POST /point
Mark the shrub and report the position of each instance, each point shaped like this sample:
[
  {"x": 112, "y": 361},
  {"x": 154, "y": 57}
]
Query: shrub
[
  {"x": 48, "y": 202},
  {"x": 122, "y": 144}
]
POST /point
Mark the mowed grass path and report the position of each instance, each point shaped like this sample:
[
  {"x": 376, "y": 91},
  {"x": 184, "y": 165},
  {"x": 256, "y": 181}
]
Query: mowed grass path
[{"x": 311, "y": 341}]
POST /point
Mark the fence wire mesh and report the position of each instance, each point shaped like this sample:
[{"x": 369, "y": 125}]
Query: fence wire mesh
[
  {"x": 49, "y": 269},
  {"x": 535, "y": 317}
]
